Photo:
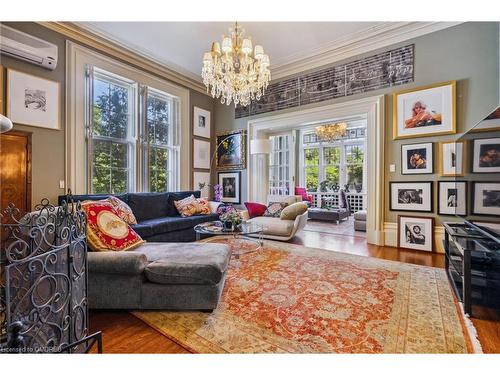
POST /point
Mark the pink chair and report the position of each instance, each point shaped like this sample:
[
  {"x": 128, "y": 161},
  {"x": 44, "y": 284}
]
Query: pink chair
[{"x": 303, "y": 193}]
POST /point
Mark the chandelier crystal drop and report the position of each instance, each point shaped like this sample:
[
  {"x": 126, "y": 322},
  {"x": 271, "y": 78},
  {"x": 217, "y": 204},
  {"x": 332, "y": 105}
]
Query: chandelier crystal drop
[
  {"x": 231, "y": 73},
  {"x": 331, "y": 132}
]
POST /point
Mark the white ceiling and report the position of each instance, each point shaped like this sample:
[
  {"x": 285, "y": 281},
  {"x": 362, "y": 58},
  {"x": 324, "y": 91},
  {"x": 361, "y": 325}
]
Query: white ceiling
[{"x": 180, "y": 45}]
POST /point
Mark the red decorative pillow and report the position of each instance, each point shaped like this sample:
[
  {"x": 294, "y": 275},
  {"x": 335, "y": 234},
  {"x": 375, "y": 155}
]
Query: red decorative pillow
[
  {"x": 255, "y": 209},
  {"x": 106, "y": 231}
]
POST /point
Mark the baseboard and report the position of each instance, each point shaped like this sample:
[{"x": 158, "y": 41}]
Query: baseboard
[{"x": 391, "y": 236}]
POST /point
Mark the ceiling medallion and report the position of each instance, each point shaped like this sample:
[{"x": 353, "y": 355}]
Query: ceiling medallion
[
  {"x": 331, "y": 132},
  {"x": 231, "y": 73}
]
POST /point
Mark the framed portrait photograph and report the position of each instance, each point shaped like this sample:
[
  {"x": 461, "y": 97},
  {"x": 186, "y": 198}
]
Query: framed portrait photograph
[
  {"x": 490, "y": 123},
  {"x": 425, "y": 111},
  {"x": 486, "y": 155},
  {"x": 201, "y": 154},
  {"x": 452, "y": 198},
  {"x": 410, "y": 196},
  {"x": 486, "y": 198},
  {"x": 32, "y": 100},
  {"x": 452, "y": 158},
  {"x": 201, "y": 181},
  {"x": 231, "y": 150},
  {"x": 231, "y": 187},
  {"x": 416, "y": 233},
  {"x": 201, "y": 122},
  {"x": 417, "y": 158}
]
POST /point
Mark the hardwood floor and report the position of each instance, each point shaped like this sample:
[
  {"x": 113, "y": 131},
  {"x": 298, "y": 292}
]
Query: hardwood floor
[{"x": 124, "y": 333}]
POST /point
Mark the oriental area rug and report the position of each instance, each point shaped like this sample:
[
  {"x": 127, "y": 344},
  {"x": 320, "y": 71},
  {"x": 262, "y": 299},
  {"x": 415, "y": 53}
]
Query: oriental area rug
[{"x": 292, "y": 299}]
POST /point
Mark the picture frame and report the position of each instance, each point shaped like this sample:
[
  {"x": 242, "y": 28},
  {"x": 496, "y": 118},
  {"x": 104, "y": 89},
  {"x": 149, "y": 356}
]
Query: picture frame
[
  {"x": 411, "y": 196},
  {"x": 33, "y": 101},
  {"x": 417, "y": 158},
  {"x": 202, "y": 177},
  {"x": 231, "y": 150},
  {"x": 490, "y": 123},
  {"x": 486, "y": 198},
  {"x": 452, "y": 198},
  {"x": 201, "y": 154},
  {"x": 231, "y": 186},
  {"x": 425, "y": 111},
  {"x": 201, "y": 123},
  {"x": 486, "y": 155},
  {"x": 416, "y": 233},
  {"x": 452, "y": 156}
]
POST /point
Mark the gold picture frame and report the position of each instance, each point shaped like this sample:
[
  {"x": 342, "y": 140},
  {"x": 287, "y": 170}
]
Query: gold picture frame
[
  {"x": 441, "y": 159},
  {"x": 438, "y": 123},
  {"x": 232, "y": 155}
]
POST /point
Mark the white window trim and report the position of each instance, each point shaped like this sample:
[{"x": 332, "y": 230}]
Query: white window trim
[{"x": 77, "y": 58}]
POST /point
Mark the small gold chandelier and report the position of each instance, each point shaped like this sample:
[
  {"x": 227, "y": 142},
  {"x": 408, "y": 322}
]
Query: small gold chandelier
[
  {"x": 231, "y": 73},
  {"x": 331, "y": 132}
]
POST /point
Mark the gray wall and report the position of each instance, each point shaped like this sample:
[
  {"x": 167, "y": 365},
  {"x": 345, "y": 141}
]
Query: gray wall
[
  {"x": 49, "y": 145},
  {"x": 467, "y": 53}
]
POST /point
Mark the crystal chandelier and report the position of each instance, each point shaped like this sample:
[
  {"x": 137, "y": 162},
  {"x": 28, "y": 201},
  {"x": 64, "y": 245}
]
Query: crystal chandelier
[
  {"x": 231, "y": 73},
  {"x": 331, "y": 132}
]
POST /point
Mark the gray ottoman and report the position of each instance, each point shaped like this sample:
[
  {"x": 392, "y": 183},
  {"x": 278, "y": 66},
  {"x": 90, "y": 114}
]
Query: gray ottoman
[
  {"x": 360, "y": 221},
  {"x": 167, "y": 276}
]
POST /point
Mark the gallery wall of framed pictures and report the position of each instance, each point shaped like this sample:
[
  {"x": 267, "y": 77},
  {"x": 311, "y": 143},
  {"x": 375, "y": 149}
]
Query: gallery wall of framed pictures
[{"x": 202, "y": 150}]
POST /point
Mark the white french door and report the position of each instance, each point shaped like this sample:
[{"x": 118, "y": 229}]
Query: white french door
[{"x": 282, "y": 164}]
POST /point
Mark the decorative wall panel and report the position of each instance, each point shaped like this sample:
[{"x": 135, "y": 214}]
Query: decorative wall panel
[{"x": 391, "y": 68}]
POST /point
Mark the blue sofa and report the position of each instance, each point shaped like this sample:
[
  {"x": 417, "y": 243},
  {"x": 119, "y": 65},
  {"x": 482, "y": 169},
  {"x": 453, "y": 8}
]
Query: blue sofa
[{"x": 157, "y": 217}]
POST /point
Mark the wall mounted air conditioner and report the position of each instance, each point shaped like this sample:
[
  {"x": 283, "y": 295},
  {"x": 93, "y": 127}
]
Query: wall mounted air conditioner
[{"x": 28, "y": 48}]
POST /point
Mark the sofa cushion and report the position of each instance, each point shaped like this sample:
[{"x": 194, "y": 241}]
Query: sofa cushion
[
  {"x": 186, "y": 263},
  {"x": 177, "y": 196},
  {"x": 190, "y": 206},
  {"x": 255, "y": 209},
  {"x": 149, "y": 205},
  {"x": 274, "y": 209},
  {"x": 122, "y": 209},
  {"x": 170, "y": 224},
  {"x": 292, "y": 211},
  {"x": 274, "y": 226}
]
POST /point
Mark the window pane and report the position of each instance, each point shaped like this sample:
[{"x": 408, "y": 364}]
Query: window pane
[
  {"x": 331, "y": 155},
  {"x": 311, "y": 156},
  {"x": 110, "y": 167},
  {"x": 354, "y": 175},
  {"x": 158, "y": 166},
  {"x": 312, "y": 175},
  {"x": 332, "y": 174},
  {"x": 110, "y": 109},
  {"x": 158, "y": 116},
  {"x": 354, "y": 154}
]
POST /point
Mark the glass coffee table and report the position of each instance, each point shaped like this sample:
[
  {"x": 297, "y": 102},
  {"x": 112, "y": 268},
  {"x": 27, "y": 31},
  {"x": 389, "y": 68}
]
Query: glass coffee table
[{"x": 239, "y": 239}]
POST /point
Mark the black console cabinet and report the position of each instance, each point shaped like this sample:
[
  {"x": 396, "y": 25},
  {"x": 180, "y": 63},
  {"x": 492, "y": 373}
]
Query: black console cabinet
[{"x": 473, "y": 265}]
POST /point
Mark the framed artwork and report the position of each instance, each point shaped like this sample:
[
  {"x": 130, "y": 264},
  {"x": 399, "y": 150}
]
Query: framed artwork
[
  {"x": 452, "y": 198},
  {"x": 452, "y": 158},
  {"x": 486, "y": 155},
  {"x": 417, "y": 158},
  {"x": 486, "y": 198},
  {"x": 201, "y": 154},
  {"x": 201, "y": 122},
  {"x": 425, "y": 111},
  {"x": 231, "y": 150},
  {"x": 490, "y": 123},
  {"x": 231, "y": 187},
  {"x": 201, "y": 181},
  {"x": 32, "y": 100},
  {"x": 416, "y": 233},
  {"x": 410, "y": 196}
]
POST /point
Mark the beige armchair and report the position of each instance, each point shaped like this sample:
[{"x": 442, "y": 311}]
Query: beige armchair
[{"x": 276, "y": 228}]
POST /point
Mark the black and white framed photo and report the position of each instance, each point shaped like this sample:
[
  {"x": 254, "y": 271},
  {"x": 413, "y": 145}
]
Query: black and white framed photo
[
  {"x": 201, "y": 122},
  {"x": 201, "y": 154},
  {"x": 452, "y": 158},
  {"x": 486, "y": 157},
  {"x": 416, "y": 233},
  {"x": 417, "y": 158},
  {"x": 32, "y": 100},
  {"x": 452, "y": 198},
  {"x": 411, "y": 196},
  {"x": 486, "y": 198},
  {"x": 231, "y": 187}
]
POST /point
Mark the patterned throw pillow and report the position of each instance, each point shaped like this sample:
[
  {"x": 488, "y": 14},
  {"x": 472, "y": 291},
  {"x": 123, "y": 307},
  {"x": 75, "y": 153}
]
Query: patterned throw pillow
[
  {"x": 192, "y": 206},
  {"x": 106, "y": 231},
  {"x": 122, "y": 209},
  {"x": 274, "y": 209}
]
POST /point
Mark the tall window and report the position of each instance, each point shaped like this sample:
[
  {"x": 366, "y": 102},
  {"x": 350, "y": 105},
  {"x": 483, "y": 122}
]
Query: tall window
[
  {"x": 311, "y": 168},
  {"x": 117, "y": 161},
  {"x": 279, "y": 165},
  {"x": 354, "y": 160}
]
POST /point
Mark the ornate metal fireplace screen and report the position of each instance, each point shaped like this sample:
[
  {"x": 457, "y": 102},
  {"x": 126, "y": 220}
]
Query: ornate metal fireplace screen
[{"x": 43, "y": 279}]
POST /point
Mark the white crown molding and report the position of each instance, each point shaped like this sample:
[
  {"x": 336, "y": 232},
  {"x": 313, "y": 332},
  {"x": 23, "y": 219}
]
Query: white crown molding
[{"x": 382, "y": 35}]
